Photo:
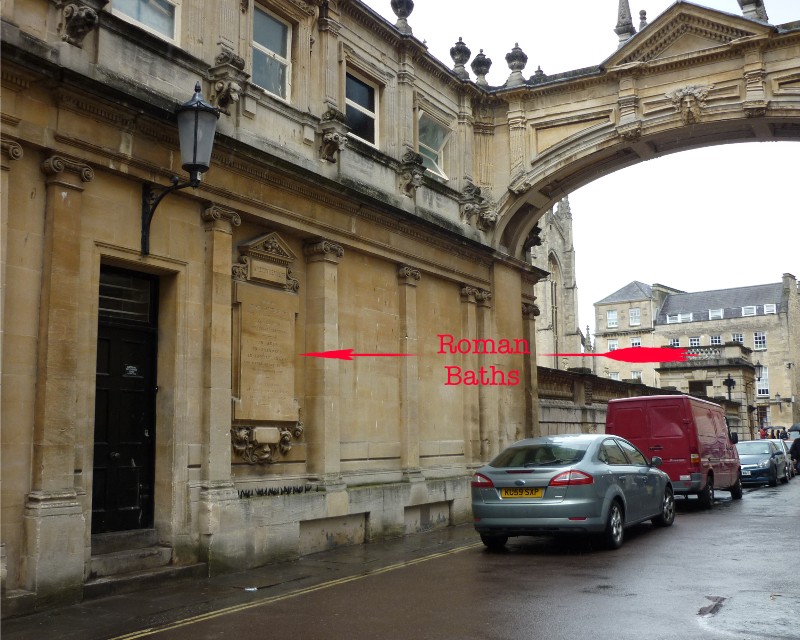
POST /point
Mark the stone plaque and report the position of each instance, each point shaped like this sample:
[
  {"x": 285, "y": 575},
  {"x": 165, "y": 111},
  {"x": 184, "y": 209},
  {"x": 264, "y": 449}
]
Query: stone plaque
[
  {"x": 264, "y": 374},
  {"x": 261, "y": 271}
]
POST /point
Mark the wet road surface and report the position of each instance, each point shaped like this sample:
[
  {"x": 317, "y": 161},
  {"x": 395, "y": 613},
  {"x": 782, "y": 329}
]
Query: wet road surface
[{"x": 725, "y": 573}]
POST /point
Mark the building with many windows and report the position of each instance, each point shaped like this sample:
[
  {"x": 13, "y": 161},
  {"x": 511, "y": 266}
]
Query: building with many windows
[{"x": 736, "y": 328}]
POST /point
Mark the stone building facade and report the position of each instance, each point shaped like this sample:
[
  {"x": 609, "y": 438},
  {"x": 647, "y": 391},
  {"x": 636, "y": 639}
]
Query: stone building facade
[{"x": 157, "y": 391}]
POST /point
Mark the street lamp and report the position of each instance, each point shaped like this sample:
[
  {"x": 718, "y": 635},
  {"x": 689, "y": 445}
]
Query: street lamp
[
  {"x": 759, "y": 370},
  {"x": 730, "y": 383},
  {"x": 197, "y": 124}
]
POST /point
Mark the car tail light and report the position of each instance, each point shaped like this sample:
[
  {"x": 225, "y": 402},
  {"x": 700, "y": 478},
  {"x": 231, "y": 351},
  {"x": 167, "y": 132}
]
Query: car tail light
[
  {"x": 480, "y": 481},
  {"x": 694, "y": 458},
  {"x": 572, "y": 477}
]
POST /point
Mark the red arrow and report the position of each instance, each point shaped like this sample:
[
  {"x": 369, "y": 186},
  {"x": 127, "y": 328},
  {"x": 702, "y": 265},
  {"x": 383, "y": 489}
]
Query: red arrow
[
  {"x": 347, "y": 354},
  {"x": 638, "y": 354}
]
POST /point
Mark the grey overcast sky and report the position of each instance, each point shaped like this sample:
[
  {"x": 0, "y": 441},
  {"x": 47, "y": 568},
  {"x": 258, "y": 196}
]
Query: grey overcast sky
[{"x": 713, "y": 218}]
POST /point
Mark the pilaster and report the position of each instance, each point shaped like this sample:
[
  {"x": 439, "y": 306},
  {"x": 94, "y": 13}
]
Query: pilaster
[
  {"x": 322, "y": 374},
  {"x": 407, "y": 278},
  {"x": 487, "y": 394},
  {"x": 469, "y": 362},
  {"x": 530, "y": 376}
]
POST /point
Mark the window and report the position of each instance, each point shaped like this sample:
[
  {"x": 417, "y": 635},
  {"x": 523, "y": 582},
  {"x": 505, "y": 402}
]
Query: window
[
  {"x": 610, "y": 453},
  {"x": 715, "y": 314},
  {"x": 679, "y": 317},
  {"x": 636, "y": 375},
  {"x": 694, "y": 341},
  {"x": 432, "y": 140},
  {"x": 716, "y": 340},
  {"x": 636, "y": 342},
  {"x": 759, "y": 341},
  {"x": 614, "y": 375},
  {"x": 634, "y": 317},
  {"x": 613, "y": 345},
  {"x": 749, "y": 311},
  {"x": 611, "y": 319},
  {"x": 272, "y": 44},
  {"x": 770, "y": 308},
  {"x": 157, "y": 16},
  {"x": 674, "y": 342},
  {"x": 738, "y": 337},
  {"x": 762, "y": 385},
  {"x": 634, "y": 455},
  {"x": 362, "y": 108}
]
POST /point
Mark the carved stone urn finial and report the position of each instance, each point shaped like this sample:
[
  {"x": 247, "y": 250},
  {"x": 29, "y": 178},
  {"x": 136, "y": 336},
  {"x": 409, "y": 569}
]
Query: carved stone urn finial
[
  {"x": 402, "y": 9},
  {"x": 460, "y": 54},
  {"x": 480, "y": 67},
  {"x": 516, "y": 60}
]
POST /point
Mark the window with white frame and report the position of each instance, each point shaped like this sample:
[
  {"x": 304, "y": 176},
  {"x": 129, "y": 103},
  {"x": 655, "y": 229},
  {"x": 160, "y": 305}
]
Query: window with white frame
[
  {"x": 636, "y": 342},
  {"x": 613, "y": 345},
  {"x": 361, "y": 98},
  {"x": 157, "y": 16},
  {"x": 614, "y": 375},
  {"x": 738, "y": 337},
  {"x": 634, "y": 317},
  {"x": 715, "y": 314},
  {"x": 679, "y": 317},
  {"x": 272, "y": 46},
  {"x": 611, "y": 319},
  {"x": 762, "y": 385},
  {"x": 694, "y": 341},
  {"x": 674, "y": 342},
  {"x": 749, "y": 310},
  {"x": 770, "y": 308},
  {"x": 716, "y": 340},
  {"x": 759, "y": 341},
  {"x": 636, "y": 375},
  {"x": 432, "y": 140}
]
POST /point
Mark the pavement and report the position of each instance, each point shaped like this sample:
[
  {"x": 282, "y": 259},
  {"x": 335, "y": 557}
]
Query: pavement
[{"x": 122, "y": 616}]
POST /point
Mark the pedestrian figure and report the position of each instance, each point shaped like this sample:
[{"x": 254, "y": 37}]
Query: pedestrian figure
[
  {"x": 762, "y": 433},
  {"x": 784, "y": 434},
  {"x": 772, "y": 433},
  {"x": 794, "y": 452}
]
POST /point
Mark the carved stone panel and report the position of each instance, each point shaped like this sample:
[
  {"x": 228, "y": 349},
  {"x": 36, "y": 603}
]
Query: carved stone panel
[{"x": 265, "y": 325}]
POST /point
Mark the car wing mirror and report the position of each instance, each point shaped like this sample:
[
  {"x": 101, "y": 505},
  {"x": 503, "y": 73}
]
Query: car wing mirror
[
  {"x": 733, "y": 436},
  {"x": 656, "y": 461}
]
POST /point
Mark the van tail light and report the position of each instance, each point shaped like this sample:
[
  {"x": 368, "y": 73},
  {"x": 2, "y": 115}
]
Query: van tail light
[
  {"x": 572, "y": 477},
  {"x": 480, "y": 481},
  {"x": 694, "y": 459}
]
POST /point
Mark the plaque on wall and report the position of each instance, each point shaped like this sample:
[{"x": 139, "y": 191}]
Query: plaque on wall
[{"x": 267, "y": 260}]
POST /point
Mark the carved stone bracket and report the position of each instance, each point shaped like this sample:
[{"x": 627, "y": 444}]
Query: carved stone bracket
[
  {"x": 690, "y": 101},
  {"x": 334, "y": 131},
  {"x": 264, "y": 444},
  {"x": 79, "y": 19},
  {"x": 533, "y": 239},
  {"x": 411, "y": 172},
  {"x": 477, "y": 209},
  {"x": 227, "y": 79},
  {"x": 631, "y": 131}
]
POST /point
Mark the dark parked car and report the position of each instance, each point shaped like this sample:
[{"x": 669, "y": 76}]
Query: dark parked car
[
  {"x": 784, "y": 447},
  {"x": 762, "y": 462},
  {"x": 582, "y": 483}
]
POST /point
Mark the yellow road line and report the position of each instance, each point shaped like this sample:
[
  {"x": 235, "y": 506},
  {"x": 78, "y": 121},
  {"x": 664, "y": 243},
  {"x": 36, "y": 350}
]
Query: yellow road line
[{"x": 292, "y": 594}]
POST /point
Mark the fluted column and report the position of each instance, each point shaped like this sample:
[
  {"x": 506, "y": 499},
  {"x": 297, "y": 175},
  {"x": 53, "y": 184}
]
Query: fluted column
[
  {"x": 408, "y": 278},
  {"x": 323, "y": 433}
]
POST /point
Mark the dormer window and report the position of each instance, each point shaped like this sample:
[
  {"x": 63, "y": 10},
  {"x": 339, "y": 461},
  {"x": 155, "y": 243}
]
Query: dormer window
[
  {"x": 770, "y": 308},
  {"x": 749, "y": 311},
  {"x": 715, "y": 314}
]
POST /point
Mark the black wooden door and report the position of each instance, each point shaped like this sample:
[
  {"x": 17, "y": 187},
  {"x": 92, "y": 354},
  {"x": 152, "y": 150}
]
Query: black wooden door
[{"x": 124, "y": 432}]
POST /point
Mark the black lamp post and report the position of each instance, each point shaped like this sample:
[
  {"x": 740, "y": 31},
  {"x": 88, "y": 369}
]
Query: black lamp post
[
  {"x": 759, "y": 370},
  {"x": 197, "y": 124},
  {"x": 730, "y": 383}
]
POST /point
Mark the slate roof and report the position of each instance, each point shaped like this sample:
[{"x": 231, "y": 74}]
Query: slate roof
[
  {"x": 730, "y": 300},
  {"x": 630, "y": 292}
]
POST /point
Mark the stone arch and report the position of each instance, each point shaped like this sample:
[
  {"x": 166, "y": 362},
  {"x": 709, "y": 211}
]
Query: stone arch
[{"x": 693, "y": 78}]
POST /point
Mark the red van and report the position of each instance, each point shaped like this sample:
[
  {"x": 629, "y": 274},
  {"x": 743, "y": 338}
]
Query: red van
[{"x": 690, "y": 435}]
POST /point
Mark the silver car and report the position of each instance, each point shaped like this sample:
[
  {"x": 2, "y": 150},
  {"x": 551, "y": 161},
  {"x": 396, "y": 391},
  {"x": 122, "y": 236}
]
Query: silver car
[{"x": 589, "y": 483}]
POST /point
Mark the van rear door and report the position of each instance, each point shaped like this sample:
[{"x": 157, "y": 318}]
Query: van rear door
[{"x": 668, "y": 435}]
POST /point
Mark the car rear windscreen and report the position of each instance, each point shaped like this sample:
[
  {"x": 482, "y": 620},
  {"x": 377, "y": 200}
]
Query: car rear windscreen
[{"x": 543, "y": 454}]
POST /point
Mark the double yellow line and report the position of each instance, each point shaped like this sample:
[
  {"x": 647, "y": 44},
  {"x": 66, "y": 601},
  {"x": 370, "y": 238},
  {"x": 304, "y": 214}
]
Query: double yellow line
[{"x": 292, "y": 594}]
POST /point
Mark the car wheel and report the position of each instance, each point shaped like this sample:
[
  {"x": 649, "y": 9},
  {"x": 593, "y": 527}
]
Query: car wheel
[
  {"x": 494, "y": 543},
  {"x": 773, "y": 477},
  {"x": 667, "y": 515},
  {"x": 736, "y": 490},
  {"x": 706, "y": 496},
  {"x": 613, "y": 535},
  {"x": 785, "y": 478}
]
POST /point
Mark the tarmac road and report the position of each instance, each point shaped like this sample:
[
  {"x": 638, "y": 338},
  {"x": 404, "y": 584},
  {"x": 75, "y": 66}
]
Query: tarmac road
[{"x": 728, "y": 573}]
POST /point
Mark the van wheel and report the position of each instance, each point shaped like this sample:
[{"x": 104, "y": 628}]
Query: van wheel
[
  {"x": 736, "y": 490},
  {"x": 667, "y": 515},
  {"x": 706, "y": 496},
  {"x": 613, "y": 535}
]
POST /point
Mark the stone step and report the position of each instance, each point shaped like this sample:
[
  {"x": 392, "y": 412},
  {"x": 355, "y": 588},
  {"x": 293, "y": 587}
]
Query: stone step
[
  {"x": 103, "y": 543},
  {"x": 137, "y": 580},
  {"x": 118, "y": 562}
]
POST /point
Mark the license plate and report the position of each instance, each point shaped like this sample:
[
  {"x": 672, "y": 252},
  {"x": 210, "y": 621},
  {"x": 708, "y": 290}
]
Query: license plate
[
  {"x": 527, "y": 492},
  {"x": 745, "y": 473}
]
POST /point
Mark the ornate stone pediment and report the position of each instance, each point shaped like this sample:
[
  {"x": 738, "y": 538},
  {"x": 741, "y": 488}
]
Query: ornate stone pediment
[
  {"x": 682, "y": 31},
  {"x": 266, "y": 260}
]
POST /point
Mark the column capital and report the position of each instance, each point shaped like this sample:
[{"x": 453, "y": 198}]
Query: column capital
[
  {"x": 11, "y": 149},
  {"x": 57, "y": 165},
  {"x": 323, "y": 250},
  {"x": 530, "y": 311},
  {"x": 215, "y": 213},
  {"x": 408, "y": 275}
]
